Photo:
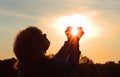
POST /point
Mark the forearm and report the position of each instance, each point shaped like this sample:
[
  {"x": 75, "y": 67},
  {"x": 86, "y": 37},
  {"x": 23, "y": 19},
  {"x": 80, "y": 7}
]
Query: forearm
[
  {"x": 69, "y": 52},
  {"x": 63, "y": 52},
  {"x": 74, "y": 54}
]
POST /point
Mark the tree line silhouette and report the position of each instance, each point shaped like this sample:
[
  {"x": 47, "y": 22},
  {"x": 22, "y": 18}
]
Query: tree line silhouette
[{"x": 86, "y": 68}]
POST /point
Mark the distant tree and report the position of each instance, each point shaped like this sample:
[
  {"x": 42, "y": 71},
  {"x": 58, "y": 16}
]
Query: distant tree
[
  {"x": 112, "y": 69},
  {"x": 86, "y": 60},
  {"x": 119, "y": 62},
  {"x": 110, "y": 62}
]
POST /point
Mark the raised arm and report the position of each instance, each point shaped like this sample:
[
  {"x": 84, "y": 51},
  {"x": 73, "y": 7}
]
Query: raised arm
[
  {"x": 74, "y": 52},
  {"x": 70, "y": 50}
]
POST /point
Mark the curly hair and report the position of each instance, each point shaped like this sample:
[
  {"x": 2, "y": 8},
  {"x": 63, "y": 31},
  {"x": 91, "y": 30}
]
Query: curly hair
[{"x": 28, "y": 42}]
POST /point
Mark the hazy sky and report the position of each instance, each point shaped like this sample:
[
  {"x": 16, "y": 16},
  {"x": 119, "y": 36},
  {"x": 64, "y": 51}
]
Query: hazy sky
[{"x": 16, "y": 15}]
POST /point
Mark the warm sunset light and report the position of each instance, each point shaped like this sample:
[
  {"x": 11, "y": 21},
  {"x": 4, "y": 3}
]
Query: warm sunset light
[
  {"x": 74, "y": 31},
  {"x": 76, "y": 20}
]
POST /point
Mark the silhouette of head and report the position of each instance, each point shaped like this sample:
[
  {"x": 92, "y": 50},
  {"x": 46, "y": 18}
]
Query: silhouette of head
[{"x": 30, "y": 43}]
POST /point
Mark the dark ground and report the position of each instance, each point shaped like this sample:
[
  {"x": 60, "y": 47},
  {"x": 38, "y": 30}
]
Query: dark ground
[{"x": 109, "y": 69}]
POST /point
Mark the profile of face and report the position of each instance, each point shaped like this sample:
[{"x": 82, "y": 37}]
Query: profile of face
[
  {"x": 46, "y": 43},
  {"x": 30, "y": 42}
]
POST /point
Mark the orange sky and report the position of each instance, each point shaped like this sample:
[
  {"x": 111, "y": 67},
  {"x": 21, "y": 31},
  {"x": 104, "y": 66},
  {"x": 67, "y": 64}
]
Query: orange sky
[{"x": 101, "y": 44}]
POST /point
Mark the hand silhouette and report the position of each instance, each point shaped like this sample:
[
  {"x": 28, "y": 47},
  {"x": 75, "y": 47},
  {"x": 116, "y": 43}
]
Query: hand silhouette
[
  {"x": 80, "y": 33},
  {"x": 68, "y": 34},
  {"x": 77, "y": 37}
]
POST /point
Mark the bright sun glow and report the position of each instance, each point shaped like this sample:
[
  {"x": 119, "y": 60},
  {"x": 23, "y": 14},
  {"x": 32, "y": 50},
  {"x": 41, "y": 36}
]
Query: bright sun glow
[
  {"x": 74, "y": 31},
  {"x": 76, "y": 20}
]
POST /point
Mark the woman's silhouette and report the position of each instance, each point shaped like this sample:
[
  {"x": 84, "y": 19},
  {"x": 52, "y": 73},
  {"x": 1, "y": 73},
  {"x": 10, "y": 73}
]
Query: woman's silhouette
[{"x": 30, "y": 46}]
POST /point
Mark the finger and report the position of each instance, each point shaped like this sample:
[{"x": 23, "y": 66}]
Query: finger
[{"x": 68, "y": 29}]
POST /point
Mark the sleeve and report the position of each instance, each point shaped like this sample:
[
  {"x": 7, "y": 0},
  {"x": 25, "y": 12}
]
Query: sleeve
[
  {"x": 69, "y": 53},
  {"x": 63, "y": 52},
  {"x": 74, "y": 55}
]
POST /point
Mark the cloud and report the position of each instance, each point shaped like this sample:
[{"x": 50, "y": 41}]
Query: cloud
[
  {"x": 48, "y": 7},
  {"x": 33, "y": 7},
  {"x": 6, "y": 12}
]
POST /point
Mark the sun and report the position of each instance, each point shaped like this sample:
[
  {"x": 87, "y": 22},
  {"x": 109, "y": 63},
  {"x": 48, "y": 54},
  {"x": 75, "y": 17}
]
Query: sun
[
  {"x": 74, "y": 31},
  {"x": 76, "y": 20}
]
